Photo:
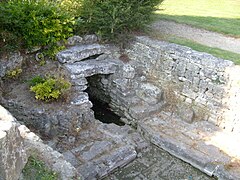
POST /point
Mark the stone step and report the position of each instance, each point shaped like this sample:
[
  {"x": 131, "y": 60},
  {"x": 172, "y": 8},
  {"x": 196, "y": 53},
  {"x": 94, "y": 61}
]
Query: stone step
[
  {"x": 100, "y": 148},
  {"x": 80, "y": 52},
  {"x": 100, "y": 167},
  {"x": 91, "y": 67},
  {"x": 201, "y": 144},
  {"x": 144, "y": 110}
]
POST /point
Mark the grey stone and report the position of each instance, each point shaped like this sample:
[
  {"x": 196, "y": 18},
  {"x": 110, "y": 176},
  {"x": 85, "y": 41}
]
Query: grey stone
[
  {"x": 53, "y": 159},
  {"x": 193, "y": 150},
  {"x": 157, "y": 164},
  {"x": 149, "y": 93},
  {"x": 89, "y": 171},
  {"x": 80, "y": 52},
  {"x": 91, "y": 67},
  {"x": 13, "y": 155},
  {"x": 70, "y": 157},
  {"x": 11, "y": 62},
  {"x": 96, "y": 149},
  {"x": 185, "y": 112},
  {"x": 128, "y": 71},
  {"x": 74, "y": 40},
  {"x": 80, "y": 88},
  {"x": 90, "y": 39},
  {"x": 80, "y": 99}
]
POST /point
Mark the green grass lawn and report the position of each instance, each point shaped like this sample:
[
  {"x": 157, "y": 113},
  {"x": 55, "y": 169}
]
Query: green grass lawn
[
  {"x": 221, "y": 16},
  {"x": 202, "y": 48},
  {"x": 234, "y": 57}
]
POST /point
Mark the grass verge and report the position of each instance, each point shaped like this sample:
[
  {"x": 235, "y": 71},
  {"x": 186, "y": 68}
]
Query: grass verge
[
  {"x": 221, "y": 16},
  {"x": 202, "y": 48},
  {"x": 234, "y": 57}
]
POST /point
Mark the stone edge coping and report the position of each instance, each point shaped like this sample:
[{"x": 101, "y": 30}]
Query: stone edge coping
[
  {"x": 217, "y": 170},
  {"x": 35, "y": 146},
  {"x": 185, "y": 51}
]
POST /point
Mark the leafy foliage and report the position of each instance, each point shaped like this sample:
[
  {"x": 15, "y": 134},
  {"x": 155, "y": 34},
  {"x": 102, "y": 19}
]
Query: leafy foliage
[
  {"x": 109, "y": 18},
  {"x": 47, "y": 89},
  {"x": 36, "y": 169},
  {"x": 33, "y": 23},
  {"x": 14, "y": 73},
  {"x": 36, "y": 80}
]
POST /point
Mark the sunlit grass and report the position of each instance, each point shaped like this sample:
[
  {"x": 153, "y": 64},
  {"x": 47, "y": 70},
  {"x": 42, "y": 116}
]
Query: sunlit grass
[
  {"x": 202, "y": 48},
  {"x": 222, "y": 16},
  {"x": 227, "y": 55},
  {"x": 203, "y": 8}
]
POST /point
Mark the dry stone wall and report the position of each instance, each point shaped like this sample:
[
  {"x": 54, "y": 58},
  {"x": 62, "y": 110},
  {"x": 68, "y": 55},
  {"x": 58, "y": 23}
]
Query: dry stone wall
[
  {"x": 160, "y": 77},
  {"x": 209, "y": 85},
  {"x": 163, "y": 76},
  {"x": 17, "y": 143},
  {"x": 13, "y": 156}
]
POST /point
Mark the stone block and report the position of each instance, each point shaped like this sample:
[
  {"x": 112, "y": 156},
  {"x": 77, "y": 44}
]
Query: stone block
[
  {"x": 10, "y": 63},
  {"x": 149, "y": 93},
  {"x": 185, "y": 112},
  {"x": 128, "y": 71},
  {"x": 79, "y": 53},
  {"x": 13, "y": 156},
  {"x": 74, "y": 40},
  {"x": 91, "y": 67},
  {"x": 90, "y": 39}
]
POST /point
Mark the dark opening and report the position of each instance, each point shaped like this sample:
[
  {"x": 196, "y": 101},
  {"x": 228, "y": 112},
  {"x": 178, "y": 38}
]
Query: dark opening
[
  {"x": 102, "y": 110},
  {"x": 92, "y": 57}
]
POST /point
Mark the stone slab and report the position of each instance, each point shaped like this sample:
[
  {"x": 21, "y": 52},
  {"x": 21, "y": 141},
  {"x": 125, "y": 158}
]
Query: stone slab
[
  {"x": 80, "y": 52},
  {"x": 158, "y": 164},
  {"x": 101, "y": 148},
  {"x": 193, "y": 143},
  {"x": 91, "y": 67}
]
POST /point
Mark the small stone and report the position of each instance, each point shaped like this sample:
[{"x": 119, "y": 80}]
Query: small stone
[
  {"x": 90, "y": 39},
  {"x": 149, "y": 93},
  {"x": 74, "y": 40},
  {"x": 188, "y": 100},
  {"x": 182, "y": 79},
  {"x": 71, "y": 139},
  {"x": 128, "y": 71}
]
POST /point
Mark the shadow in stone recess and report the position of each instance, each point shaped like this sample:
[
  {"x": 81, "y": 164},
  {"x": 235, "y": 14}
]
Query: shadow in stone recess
[{"x": 102, "y": 111}]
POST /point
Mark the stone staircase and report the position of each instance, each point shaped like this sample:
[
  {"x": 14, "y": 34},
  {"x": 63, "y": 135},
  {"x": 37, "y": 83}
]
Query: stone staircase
[
  {"x": 100, "y": 148},
  {"x": 95, "y": 149}
]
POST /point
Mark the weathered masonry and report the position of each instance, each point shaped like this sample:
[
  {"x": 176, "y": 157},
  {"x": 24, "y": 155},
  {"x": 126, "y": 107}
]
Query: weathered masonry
[{"x": 181, "y": 100}]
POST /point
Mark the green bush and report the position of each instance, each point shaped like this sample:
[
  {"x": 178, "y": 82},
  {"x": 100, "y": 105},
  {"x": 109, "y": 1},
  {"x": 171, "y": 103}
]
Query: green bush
[
  {"x": 47, "y": 89},
  {"x": 33, "y": 23},
  {"x": 110, "y": 18}
]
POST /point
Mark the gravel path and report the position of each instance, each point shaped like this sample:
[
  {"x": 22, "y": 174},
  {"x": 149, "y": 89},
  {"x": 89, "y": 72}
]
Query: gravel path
[{"x": 211, "y": 39}]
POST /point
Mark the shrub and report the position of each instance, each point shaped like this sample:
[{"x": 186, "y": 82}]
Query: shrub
[
  {"x": 71, "y": 6},
  {"x": 47, "y": 89},
  {"x": 14, "y": 73},
  {"x": 33, "y": 23},
  {"x": 109, "y": 18}
]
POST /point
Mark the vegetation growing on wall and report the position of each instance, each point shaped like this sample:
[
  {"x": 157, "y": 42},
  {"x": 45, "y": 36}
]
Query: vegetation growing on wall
[
  {"x": 49, "y": 88},
  {"x": 14, "y": 73},
  {"x": 36, "y": 169}
]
